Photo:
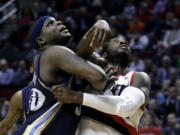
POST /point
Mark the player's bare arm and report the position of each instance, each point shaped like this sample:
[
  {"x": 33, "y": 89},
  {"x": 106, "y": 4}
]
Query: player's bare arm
[
  {"x": 62, "y": 58},
  {"x": 143, "y": 82},
  {"x": 14, "y": 113}
]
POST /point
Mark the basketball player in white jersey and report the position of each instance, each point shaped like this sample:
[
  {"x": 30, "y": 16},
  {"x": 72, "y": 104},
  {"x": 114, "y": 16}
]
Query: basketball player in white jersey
[{"x": 118, "y": 110}]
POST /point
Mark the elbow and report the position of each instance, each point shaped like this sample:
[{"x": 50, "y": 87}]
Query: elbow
[
  {"x": 100, "y": 82},
  {"x": 4, "y": 129},
  {"x": 126, "y": 110},
  {"x": 100, "y": 85}
]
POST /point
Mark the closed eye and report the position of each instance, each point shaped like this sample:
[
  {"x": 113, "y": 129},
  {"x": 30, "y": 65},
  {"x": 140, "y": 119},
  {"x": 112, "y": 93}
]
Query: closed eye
[{"x": 116, "y": 41}]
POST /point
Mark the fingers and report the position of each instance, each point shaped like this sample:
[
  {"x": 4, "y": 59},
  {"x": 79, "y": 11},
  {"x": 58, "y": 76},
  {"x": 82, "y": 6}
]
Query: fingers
[
  {"x": 100, "y": 36},
  {"x": 110, "y": 73},
  {"x": 55, "y": 87},
  {"x": 101, "y": 32},
  {"x": 57, "y": 92},
  {"x": 89, "y": 34},
  {"x": 109, "y": 35},
  {"x": 109, "y": 68},
  {"x": 112, "y": 79},
  {"x": 94, "y": 37},
  {"x": 70, "y": 83},
  {"x": 103, "y": 39},
  {"x": 58, "y": 89}
]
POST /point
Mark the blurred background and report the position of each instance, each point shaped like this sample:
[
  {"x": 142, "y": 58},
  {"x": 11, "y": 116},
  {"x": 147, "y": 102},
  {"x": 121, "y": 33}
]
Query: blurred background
[{"x": 152, "y": 28}]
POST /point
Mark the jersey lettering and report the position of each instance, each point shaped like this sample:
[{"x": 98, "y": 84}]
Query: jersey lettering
[{"x": 117, "y": 89}]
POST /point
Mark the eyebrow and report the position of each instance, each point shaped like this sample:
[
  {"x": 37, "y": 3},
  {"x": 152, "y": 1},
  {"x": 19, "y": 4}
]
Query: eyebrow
[{"x": 49, "y": 22}]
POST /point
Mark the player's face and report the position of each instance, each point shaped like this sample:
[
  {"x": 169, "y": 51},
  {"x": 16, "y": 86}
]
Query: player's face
[
  {"x": 55, "y": 32},
  {"x": 118, "y": 51},
  {"x": 117, "y": 45}
]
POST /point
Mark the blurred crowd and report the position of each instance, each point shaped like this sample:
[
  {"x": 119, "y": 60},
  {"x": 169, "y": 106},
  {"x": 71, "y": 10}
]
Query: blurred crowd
[{"x": 152, "y": 28}]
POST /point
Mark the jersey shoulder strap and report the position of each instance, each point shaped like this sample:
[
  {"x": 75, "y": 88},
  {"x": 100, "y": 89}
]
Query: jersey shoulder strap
[{"x": 129, "y": 77}]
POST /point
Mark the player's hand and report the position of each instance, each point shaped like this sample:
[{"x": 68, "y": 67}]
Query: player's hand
[
  {"x": 101, "y": 33},
  {"x": 98, "y": 34},
  {"x": 110, "y": 71},
  {"x": 62, "y": 94}
]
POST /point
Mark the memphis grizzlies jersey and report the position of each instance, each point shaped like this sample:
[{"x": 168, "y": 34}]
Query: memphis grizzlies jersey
[
  {"x": 104, "y": 123},
  {"x": 43, "y": 115}
]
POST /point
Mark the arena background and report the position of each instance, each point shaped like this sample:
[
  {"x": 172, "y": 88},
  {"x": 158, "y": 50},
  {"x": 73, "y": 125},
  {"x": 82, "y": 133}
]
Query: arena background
[{"x": 151, "y": 27}]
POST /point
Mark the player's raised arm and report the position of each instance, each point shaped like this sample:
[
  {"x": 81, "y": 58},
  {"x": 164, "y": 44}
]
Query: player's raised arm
[
  {"x": 14, "y": 113},
  {"x": 64, "y": 59}
]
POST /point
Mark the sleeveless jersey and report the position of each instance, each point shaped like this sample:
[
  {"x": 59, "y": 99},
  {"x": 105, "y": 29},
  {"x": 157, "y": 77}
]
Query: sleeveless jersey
[
  {"x": 98, "y": 123},
  {"x": 43, "y": 115}
]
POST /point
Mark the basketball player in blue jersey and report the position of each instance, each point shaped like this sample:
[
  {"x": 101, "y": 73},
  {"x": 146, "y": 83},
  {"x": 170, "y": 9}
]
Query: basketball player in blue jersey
[
  {"x": 118, "y": 109},
  {"x": 53, "y": 65}
]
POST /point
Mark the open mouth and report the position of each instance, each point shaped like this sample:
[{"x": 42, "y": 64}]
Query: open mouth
[
  {"x": 63, "y": 29},
  {"x": 124, "y": 46}
]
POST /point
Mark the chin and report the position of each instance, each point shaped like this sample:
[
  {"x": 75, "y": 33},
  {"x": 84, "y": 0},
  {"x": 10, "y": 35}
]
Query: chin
[
  {"x": 121, "y": 58},
  {"x": 65, "y": 39}
]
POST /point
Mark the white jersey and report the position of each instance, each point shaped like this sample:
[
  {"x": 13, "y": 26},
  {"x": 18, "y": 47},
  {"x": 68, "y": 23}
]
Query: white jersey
[{"x": 94, "y": 122}]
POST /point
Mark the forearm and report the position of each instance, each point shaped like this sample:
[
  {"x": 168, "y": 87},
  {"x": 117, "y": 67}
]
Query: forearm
[
  {"x": 3, "y": 128},
  {"x": 75, "y": 65},
  {"x": 97, "y": 59},
  {"x": 13, "y": 114},
  {"x": 84, "y": 50},
  {"x": 98, "y": 78},
  {"x": 124, "y": 105}
]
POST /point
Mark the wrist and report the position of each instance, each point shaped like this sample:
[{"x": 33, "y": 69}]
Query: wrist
[{"x": 77, "y": 97}]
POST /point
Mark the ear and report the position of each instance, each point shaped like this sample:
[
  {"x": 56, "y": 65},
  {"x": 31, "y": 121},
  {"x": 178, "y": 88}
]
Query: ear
[{"x": 41, "y": 41}]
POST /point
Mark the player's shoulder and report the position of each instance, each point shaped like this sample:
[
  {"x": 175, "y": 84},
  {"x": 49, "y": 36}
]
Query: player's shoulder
[
  {"x": 16, "y": 99},
  {"x": 18, "y": 95},
  {"x": 142, "y": 77},
  {"x": 56, "y": 51},
  {"x": 142, "y": 81},
  {"x": 57, "y": 48}
]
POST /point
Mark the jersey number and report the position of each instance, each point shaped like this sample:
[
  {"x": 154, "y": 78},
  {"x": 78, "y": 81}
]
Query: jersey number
[{"x": 117, "y": 89}]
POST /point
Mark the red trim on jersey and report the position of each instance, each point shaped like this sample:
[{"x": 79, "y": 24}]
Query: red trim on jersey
[
  {"x": 120, "y": 121},
  {"x": 132, "y": 78},
  {"x": 142, "y": 108},
  {"x": 117, "y": 75}
]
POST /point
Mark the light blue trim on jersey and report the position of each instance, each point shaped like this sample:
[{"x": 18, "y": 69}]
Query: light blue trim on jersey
[{"x": 40, "y": 123}]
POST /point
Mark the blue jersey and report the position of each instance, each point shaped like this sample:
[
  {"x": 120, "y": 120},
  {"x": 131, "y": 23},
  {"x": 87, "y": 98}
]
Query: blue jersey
[{"x": 43, "y": 115}]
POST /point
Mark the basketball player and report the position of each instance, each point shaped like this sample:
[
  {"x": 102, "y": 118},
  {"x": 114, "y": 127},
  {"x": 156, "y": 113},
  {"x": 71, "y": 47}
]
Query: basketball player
[
  {"x": 118, "y": 110},
  {"x": 53, "y": 65}
]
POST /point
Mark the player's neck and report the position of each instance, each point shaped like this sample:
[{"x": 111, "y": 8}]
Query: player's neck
[
  {"x": 43, "y": 48},
  {"x": 120, "y": 71}
]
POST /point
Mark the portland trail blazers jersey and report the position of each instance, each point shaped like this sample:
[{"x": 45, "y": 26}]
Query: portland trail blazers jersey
[
  {"x": 108, "y": 124},
  {"x": 43, "y": 115}
]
